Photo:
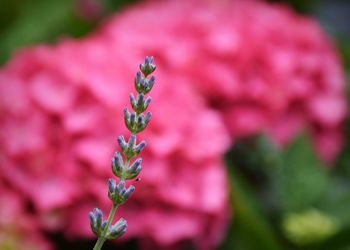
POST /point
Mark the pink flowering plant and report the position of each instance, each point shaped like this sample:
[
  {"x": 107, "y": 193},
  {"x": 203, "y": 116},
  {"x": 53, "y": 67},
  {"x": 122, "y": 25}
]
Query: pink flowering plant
[{"x": 122, "y": 166}]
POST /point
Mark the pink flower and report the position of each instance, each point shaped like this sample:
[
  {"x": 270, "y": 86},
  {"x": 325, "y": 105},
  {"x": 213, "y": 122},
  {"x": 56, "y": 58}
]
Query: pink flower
[
  {"x": 260, "y": 65},
  {"x": 60, "y": 137},
  {"x": 18, "y": 229}
]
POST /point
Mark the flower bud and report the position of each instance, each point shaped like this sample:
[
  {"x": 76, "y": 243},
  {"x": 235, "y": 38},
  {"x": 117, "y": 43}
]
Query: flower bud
[
  {"x": 120, "y": 187},
  {"x": 140, "y": 100},
  {"x": 132, "y": 121},
  {"x": 146, "y": 103},
  {"x": 127, "y": 117},
  {"x": 148, "y": 66},
  {"x": 142, "y": 122},
  {"x": 150, "y": 84},
  {"x": 111, "y": 185},
  {"x": 118, "y": 193},
  {"x": 117, "y": 230},
  {"x": 144, "y": 83},
  {"x": 133, "y": 101},
  {"x": 140, "y": 147},
  {"x": 122, "y": 143},
  {"x": 148, "y": 117},
  {"x": 103, "y": 227},
  {"x": 96, "y": 221},
  {"x": 111, "y": 188},
  {"x": 93, "y": 224},
  {"x": 129, "y": 150},
  {"x": 117, "y": 164},
  {"x": 137, "y": 80},
  {"x": 137, "y": 103},
  {"x": 132, "y": 141},
  {"x": 128, "y": 192},
  {"x": 134, "y": 170},
  {"x": 126, "y": 114},
  {"x": 140, "y": 119},
  {"x": 99, "y": 216}
]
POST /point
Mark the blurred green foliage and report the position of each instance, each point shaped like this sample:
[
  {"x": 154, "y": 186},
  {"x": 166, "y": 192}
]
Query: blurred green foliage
[
  {"x": 33, "y": 21},
  {"x": 286, "y": 199},
  {"x": 300, "y": 179},
  {"x": 25, "y": 22},
  {"x": 310, "y": 226}
]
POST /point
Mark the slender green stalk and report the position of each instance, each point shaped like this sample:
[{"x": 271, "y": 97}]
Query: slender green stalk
[
  {"x": 101, "y": 240},
  {"x": 122, "y": 165}
]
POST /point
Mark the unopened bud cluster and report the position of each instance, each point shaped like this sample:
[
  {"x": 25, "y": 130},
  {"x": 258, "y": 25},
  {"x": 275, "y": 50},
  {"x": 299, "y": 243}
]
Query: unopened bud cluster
[
  {"x": 123, "y": 165},
  {"x": 99, "y": 226}
]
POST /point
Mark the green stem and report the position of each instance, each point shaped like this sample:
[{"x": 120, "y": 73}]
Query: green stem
[{"x": 101, "y": 240}]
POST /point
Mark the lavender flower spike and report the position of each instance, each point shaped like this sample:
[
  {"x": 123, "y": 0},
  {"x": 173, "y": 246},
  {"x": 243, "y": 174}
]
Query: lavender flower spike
[{"x": 135, "y": 121}]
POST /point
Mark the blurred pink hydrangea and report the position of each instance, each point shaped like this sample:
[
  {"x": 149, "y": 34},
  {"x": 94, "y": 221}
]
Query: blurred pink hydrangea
[
  {"x": 263, "y": 67},
  {"x": 61, "y": 112},
  {"x": 18, "y": 229},
  {"x": 229, "y": 69}
]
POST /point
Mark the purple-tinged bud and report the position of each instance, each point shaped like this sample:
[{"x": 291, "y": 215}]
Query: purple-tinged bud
[
  {"x": 140, "y": 147},
  {"x": 117, "y": 230},
  {"x": 103, "y": 226},
  {"x": 127, "y": 117},
  {"x": 148, "y": 117},
  {"x": 135, "y": 164},
  {"x": 147, "y": 102},
  {"x": 144, "y": 83},
  {"x": 111, "y": 185},
  {"x": 98, "y": 217},
  {"x": 122, "y": 143},
  {"x": 129, "y": 152},
  {"x": 149, "y": 60},
  {"x": 132, "y": 118},
  {"x": 140, "y": 99},
  {"x": 132, "y": 141},
  {"x": 96, "y": 221},
  {"x": 151, "y": 82},
  {"x": 93, "y": 224},
  {"x": 134, "y": 170},
  {"x": 126, "y": 114},
  {"x": 128, "y": 192},
  {"x": 92, "y": 218},
  {"x": 148, "y": 66},
  {"x": 120, "y": 187},
  {"x": 117, "y": 164},
  {"x": 137, "y": 79},
  {"x": 133, "y": 101},
  {"x": 140, "y": 119}
]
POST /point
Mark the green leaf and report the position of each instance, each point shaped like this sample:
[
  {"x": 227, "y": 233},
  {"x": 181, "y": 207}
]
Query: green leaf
[
  {"x": 35, "y": 22},
  {"x": 40, "y": 21},
  {"x": 250, "y": 229},
  {"x": 336, "y": 201},
  {"x": 301, "y": 179}
]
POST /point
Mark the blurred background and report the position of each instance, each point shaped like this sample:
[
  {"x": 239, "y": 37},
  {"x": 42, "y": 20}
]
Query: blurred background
[{"x": 249, "y": 143}]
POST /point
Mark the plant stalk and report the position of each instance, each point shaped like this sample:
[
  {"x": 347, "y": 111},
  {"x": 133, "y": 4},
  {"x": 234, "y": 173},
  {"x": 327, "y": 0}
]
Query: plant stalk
[{"x": 101, "y": 240}]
